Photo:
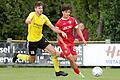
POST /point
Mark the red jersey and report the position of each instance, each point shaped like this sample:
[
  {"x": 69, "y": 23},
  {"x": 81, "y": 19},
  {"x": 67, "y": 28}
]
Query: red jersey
[
  {"x": 85, "y": 35},
  {"x": 67, "y": 26}
]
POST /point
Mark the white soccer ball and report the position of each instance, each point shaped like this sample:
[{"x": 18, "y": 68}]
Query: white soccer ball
[{"x": 97, "y": 71}]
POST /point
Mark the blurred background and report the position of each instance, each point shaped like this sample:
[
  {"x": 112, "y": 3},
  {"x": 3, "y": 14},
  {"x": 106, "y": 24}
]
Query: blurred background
[{"x": 101, "y": 17}]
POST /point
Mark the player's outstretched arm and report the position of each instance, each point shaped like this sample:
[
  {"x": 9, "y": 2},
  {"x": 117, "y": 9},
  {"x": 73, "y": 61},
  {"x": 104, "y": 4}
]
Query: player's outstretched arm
[
  {"x": 56, "y": 29},
  {"x": 81, "y": 35},
  {"x": 61, "y": 40}
]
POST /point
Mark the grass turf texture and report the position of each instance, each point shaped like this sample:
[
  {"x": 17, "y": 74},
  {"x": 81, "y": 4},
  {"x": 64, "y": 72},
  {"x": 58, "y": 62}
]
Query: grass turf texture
[{"x": 31, "y": 73}]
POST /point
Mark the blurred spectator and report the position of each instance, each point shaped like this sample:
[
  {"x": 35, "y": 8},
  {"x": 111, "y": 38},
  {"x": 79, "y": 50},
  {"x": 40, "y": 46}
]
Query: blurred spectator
[{"x": 84, "y": 31}]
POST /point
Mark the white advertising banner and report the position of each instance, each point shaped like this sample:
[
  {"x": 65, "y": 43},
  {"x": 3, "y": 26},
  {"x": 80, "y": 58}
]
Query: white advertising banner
[{"x": 101, "y": 55}]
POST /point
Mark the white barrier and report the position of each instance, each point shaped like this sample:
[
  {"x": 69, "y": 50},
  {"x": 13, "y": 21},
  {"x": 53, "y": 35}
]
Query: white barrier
[
  {"x": 95, "y": 53},
  {"x": 101, "y": 55}
]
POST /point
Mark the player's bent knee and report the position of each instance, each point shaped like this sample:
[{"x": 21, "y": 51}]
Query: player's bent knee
[
  {"x": 70, "y": 58},
  {"x": 53, "y": 52}
]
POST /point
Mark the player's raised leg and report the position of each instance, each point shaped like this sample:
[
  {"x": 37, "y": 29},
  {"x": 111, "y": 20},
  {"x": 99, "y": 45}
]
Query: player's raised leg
[
  {"x": 71, "y": 59},
  {"x": 23, "y": 57},
  {"x": 52, "y": 51}
]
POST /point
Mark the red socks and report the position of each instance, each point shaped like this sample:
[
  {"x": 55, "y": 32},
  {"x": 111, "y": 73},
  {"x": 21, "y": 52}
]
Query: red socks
[{"x": 77, "y": 71}]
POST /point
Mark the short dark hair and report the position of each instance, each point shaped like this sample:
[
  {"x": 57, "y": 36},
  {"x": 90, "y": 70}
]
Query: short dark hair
[
  {"x": 39, "y": 3},
  {"x": 66, "y": 7}
]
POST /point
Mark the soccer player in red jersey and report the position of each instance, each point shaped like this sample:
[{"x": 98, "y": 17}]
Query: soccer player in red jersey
[{"x": 67, "y": 24}]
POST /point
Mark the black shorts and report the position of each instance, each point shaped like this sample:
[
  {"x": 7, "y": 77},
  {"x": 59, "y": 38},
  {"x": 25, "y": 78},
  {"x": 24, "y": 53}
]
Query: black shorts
[{"x": 42, "y": 44}]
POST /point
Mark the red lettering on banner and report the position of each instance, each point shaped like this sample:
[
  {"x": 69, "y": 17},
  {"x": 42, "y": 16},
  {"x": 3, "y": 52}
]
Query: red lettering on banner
[
  {"x": 112, "y": 51},
  {"x": 118, "y": 53}
]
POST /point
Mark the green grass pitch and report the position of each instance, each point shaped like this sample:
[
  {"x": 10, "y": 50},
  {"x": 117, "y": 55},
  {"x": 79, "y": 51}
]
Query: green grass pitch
[{"x": 33, "y": 73}]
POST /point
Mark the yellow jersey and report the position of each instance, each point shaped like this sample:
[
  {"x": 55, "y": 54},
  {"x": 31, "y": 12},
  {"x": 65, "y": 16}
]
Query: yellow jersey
[{"x": 36, "y": 26}]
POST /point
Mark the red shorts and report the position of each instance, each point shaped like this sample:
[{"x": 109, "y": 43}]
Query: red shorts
[{"x": 70, "y": 50}]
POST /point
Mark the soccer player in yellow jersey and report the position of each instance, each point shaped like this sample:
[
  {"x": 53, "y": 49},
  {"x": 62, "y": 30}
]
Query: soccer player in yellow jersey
[{"x": 35, "y": 22}]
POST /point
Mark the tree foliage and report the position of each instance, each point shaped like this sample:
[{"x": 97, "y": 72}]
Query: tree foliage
[
  {"x": 101, "y": 17},
  {"x": 13, "y": 14}
]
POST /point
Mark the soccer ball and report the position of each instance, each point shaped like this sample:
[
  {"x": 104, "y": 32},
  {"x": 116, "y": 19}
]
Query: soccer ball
[{"x": 97, "y": 71}]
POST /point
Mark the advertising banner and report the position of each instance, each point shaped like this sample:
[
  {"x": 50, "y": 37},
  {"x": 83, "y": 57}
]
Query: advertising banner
[
  {"x": 43, "y": 58},
  {"x": 101, "y": 55}
]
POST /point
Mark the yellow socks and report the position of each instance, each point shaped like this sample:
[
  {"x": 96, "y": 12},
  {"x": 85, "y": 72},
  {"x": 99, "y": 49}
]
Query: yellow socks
[
  {"x": 24, "y": 57},
  {"x": 55, "y": 63}
]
